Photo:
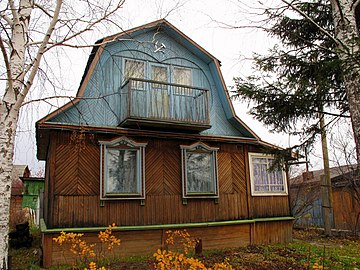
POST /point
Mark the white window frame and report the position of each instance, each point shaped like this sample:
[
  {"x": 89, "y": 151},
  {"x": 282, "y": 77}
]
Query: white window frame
[
  {"x": 201, "y": 148},
  {"x": 254, "y": 192},
  {"x": 122, "y": 143}
]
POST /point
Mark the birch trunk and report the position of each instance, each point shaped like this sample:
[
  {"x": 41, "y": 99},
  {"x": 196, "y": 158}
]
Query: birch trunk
[
  {"x": 22, "y": 61},
  {"x": 348, "y": 50},
  {"x": 9, "y": 111},
  {"x": 8, "y": 121}
]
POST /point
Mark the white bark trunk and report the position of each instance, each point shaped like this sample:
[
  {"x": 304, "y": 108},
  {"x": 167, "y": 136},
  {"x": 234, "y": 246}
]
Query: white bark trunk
[
  {"x": 348, "y": 50},
  {"x": 8, "y": 121},
  {"x": 9, "y": 110}
]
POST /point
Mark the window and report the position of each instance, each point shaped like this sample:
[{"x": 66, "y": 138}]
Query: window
[
  {"x": 264, "y": 181},
  {"x": 199, "y": 171},
  {"x": 159, "y": 73},
  {"x": 182, "y": 76},
  {"x": 136, "y": 70},
  {"x": 122, "y": 169}
]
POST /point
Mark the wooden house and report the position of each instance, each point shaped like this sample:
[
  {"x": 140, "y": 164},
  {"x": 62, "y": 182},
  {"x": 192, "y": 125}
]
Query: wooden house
[
  {"x": 32, "y": 196},
  {"x": 152, "y": 143},
  {"x": 306, "y": 198}
]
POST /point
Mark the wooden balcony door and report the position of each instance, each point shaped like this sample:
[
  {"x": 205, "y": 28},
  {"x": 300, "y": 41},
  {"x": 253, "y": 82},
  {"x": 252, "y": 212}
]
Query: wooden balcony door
[
  {"x": 159, "y": 94},
  {"x": 136, "y": 70},
  {"x": 183, "y": 101}
]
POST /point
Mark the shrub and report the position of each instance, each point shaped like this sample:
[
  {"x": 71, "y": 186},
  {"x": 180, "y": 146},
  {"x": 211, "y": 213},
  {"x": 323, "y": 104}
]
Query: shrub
[{"x": 84, "y": 253}]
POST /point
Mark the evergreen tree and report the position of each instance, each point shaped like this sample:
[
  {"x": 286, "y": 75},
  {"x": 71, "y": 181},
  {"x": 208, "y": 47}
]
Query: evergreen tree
[{"x": 301, "y": 77}]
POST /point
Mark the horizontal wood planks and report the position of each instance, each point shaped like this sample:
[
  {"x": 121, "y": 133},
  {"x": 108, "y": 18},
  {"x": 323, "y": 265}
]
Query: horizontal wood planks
[{"x": 147, "y": 242}]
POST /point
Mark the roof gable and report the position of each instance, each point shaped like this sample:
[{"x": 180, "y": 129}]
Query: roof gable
[{"x": 225, "y": 122}]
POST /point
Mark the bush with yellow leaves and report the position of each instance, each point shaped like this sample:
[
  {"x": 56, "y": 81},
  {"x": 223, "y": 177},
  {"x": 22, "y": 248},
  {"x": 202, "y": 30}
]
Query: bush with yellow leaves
[
  {"x": 175, "y": 260},
  {"x": 83, "y": 252}
]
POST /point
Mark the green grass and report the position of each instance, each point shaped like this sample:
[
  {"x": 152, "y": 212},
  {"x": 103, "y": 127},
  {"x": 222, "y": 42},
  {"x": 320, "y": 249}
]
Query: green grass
[{"x": 331, "y": 254}]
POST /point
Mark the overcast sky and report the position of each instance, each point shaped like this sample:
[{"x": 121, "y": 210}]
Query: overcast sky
[{"x": 198, "y": 20}]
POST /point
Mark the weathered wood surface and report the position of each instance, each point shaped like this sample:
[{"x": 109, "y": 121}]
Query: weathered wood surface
[
  {"x": 74, "y": 187},
  {"x": 148, "y": 241}
]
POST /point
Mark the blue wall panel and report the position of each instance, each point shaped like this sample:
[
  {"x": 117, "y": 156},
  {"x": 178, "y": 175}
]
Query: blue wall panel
[{"x": 101, "y": 105}]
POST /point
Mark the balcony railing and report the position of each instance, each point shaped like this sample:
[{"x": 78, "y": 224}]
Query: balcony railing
[{"x": 157, "y": 103}]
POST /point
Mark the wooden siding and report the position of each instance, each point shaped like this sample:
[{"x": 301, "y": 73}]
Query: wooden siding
[
  {"x": 270, "y": 206},
  {"x": 74, "y": 186},
  {"x": 272, "y": 232},
  {"x": 346, "y": 209},
  {"x": 16, "y": 215},
  {"x": 147, "y": 242}
]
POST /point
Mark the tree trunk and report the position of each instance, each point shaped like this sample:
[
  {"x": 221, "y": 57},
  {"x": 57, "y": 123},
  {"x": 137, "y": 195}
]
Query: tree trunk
[
  {"x": 8, "y": 122},
  {"x": 326, "y": 189},
  {"x": 9, "y": 113},
  {"x": 348, "y": 50},
  {"x": 352, "y": 83}
]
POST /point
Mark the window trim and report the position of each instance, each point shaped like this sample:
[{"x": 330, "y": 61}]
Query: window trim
[
  {"x": 252, "y": 182},
  {"x": 214, "y": 167},
  {"x": 123, "y": 143}
]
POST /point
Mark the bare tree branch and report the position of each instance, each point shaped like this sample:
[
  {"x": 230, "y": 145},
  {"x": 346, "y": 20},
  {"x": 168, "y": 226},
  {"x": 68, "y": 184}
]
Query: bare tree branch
[
  {"x": 36, "y": 62},
  {"x": 7, "y": 63}
]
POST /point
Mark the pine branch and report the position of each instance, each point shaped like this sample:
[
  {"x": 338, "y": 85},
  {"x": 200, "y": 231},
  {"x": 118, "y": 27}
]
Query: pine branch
[{"x": 313, "y": 22}]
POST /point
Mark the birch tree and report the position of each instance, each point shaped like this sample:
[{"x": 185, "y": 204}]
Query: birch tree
[{"x": 28, "y": 30}]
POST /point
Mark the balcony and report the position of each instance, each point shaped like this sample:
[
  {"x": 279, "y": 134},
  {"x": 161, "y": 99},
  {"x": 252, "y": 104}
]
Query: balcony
[{"x": 148, "y": 103}]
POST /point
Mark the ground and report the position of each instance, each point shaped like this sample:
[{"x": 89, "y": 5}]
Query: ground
[{"x": 309, "y": 250}]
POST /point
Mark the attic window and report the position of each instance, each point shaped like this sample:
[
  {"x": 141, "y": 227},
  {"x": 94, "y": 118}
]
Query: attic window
[
  {"x": 199, "y": 171},
  {"x": 263, "y": 180},
  {"x": 122, "y": 169}
]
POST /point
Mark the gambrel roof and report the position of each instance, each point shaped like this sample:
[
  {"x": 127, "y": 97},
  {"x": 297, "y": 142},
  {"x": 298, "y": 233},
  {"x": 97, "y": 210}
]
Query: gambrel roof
[{"x": 224, "y": 120}]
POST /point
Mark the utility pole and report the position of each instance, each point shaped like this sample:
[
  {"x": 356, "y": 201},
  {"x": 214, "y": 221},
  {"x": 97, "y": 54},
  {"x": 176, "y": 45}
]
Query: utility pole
[{"x": 326, "y": 190}]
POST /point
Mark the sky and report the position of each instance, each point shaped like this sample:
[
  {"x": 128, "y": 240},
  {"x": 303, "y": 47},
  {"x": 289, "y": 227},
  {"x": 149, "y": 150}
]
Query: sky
[{"x": 204, "y": 21}]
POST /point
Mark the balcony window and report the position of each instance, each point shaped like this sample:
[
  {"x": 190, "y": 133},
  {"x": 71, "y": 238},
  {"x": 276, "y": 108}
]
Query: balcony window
[
  {"x": 182, "y": 76},
  {"x": 136, "y": 70}
]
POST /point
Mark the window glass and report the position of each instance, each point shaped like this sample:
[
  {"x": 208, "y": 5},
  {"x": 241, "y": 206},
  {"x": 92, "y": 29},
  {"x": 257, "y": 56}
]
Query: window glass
[
  {"x": 182, "y": 76},
  {"x": 121, "y": 171},
  {"x": 159, "y": 74},
  {"x": 134, "y": 69},
  {"x": 265, "y": 181},
  {"x": 199, "y": 171}
]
